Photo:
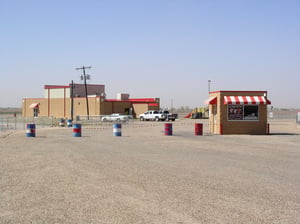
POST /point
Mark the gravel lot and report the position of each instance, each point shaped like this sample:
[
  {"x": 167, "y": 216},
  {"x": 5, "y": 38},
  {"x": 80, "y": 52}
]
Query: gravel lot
[{"x": 146, "y": 177}]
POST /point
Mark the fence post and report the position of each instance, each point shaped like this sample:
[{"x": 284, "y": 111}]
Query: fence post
[
  {"x": 268, "y": 129},
  {"x": 221, "y": 129}
]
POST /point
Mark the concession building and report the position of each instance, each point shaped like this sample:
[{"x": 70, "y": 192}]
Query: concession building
[
  {"x": 238, "y": 112},
  {"x": 75, "y": 100}
]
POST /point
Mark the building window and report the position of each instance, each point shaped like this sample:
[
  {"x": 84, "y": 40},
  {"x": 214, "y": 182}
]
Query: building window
[
  {"x": 242, "y": 112},
  {"x": 36, "y": 112}
]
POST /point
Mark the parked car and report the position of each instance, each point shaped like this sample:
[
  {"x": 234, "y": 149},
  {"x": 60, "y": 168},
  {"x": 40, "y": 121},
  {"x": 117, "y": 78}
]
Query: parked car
[{"x": 116, "y": 118}]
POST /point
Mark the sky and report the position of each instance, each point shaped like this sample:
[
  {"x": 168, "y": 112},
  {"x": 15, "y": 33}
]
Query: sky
[{"x": 152, "y": 48}]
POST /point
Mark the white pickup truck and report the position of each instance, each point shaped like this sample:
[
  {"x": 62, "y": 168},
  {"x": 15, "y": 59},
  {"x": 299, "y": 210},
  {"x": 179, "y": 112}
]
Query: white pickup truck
[
  {"x": 157, "y": 115},
  {"x": 116, "y": 118}
]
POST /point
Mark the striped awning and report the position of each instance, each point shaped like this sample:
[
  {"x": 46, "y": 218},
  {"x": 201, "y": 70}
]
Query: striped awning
[
  {"x": 34, "y": 105},
  {"x": 254, "y": 100},
  {"x": 211, "y": 100}
]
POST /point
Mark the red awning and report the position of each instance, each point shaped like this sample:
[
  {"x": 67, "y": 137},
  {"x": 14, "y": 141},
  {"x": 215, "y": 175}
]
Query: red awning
[
  {"x": 254, "y": 100},
  {"x": 211, "y": 100},
  {"x": 34, "y": 105}
]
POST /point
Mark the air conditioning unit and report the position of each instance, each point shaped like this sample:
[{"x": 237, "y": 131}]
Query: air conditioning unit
[{"x": 122, "y": 96}]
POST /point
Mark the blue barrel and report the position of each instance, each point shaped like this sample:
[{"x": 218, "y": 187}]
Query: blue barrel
[
  {"x": 76, "y": 130},
  {"x": 30, "y": 132},
  {"x": 69, "y": 123},
  {"x": 168, "y": 129},
  {"x": 117, "y": 130}
]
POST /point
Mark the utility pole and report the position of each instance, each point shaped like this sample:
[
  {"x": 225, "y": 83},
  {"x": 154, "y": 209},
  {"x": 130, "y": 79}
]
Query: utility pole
[
  {"x": 85, "y": 86},
  {"x": 72, "y": 100}
]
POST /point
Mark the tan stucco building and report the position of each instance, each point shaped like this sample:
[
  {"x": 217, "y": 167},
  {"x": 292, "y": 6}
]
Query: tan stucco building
[
  {"x": 58, "y": 101},
  {"x": 238, "y": 112}
]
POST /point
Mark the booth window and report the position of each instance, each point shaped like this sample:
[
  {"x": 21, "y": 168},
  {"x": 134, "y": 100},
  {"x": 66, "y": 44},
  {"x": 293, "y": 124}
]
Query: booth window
[
  {"x": 242, "y": 112},
  {"x": 250, "y": 112}
]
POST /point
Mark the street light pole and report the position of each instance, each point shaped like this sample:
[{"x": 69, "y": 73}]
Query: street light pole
[
  {"x": 209, "y": 81},
  {"x": 72, "y": 100}
]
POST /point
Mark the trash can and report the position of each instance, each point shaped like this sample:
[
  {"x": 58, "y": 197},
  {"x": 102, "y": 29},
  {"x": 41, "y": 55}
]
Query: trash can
[
  {"x": 198, "y": 129},
  {"x": 76, "y": 130},
  {"x": 117, "y": 130},
  {"x": 69, "y": 123},
  {"x": 30, "y": 131},
  {"x": 61, "y": 122},
  {"x": 168, "y": 129}
]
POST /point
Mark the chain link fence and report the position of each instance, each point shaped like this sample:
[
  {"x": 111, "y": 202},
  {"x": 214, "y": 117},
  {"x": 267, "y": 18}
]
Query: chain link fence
[
  {"x": 12, "y": 122},
  {"x": 282, "y": 114}
]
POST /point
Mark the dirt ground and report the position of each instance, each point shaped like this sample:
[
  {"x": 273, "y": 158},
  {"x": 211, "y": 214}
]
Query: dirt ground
[{"x": 146, "y": 177}]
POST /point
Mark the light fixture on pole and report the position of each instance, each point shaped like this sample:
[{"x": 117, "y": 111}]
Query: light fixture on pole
[{"x": 209, "y": 81}]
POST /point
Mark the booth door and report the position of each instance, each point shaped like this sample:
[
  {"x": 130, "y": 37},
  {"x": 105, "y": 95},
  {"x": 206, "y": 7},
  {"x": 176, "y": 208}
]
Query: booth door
[{"x": 213, "y": 119}]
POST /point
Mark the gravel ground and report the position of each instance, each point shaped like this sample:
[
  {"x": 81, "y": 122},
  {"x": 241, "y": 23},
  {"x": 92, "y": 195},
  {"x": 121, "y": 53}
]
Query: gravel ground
[{"x": 146, "y": 177}]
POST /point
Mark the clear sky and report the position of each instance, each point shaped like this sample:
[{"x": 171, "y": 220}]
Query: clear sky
[{"x": 152, "y": 48}]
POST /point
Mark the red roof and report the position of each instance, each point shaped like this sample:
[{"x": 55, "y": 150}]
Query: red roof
[
  {"x": 55, "y": 87},
  {"x": 139, "y": 100},
  {"x": 143, "y": 100},
  {"x": 237, "y": 91}
]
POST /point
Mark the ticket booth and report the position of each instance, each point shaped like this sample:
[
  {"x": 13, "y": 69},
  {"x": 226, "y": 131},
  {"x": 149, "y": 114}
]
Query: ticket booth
[{"x": 238, "y": 112}]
